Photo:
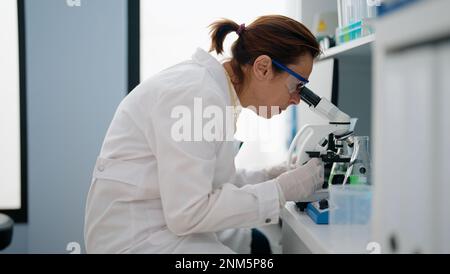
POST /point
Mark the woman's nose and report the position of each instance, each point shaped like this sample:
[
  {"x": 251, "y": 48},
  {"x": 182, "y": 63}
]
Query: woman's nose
[{"x": 295, "y": 99}]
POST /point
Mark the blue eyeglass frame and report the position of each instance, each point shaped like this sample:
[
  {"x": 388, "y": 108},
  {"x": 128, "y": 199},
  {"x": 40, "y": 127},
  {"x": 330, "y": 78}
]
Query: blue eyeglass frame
[{"x": 291, "y": 72}]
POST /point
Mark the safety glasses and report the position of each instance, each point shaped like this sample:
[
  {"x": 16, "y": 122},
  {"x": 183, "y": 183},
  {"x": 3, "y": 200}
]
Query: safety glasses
[{"x": 295, "y": 81}]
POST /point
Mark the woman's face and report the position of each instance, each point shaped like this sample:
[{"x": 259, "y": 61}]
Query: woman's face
[{"x": 273, "y": 91}]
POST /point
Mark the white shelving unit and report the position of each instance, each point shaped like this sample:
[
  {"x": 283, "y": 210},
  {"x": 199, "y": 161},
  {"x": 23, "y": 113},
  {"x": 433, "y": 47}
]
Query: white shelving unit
[
  {"x": 412, "y": 44},
  {"x": 354, "y": 96},
  {"x": 358, "y": 47},
  {"x": 355, "y": 79}
]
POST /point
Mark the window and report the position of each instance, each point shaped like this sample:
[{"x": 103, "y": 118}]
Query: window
[
  {"x": 12, "y": 112},
  {"x": 177, "y": 28}
]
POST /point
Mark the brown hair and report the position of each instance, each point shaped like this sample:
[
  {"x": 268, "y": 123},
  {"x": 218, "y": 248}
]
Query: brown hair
[{"x": 277, "y": 36}]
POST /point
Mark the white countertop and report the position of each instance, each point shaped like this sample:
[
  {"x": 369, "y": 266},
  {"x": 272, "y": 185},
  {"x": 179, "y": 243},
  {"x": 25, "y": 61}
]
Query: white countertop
[{"x": 325, "y": 238}]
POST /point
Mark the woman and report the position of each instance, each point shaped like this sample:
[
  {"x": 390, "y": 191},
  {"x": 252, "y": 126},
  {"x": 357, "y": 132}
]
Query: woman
[{"x": 154, "y": 192}]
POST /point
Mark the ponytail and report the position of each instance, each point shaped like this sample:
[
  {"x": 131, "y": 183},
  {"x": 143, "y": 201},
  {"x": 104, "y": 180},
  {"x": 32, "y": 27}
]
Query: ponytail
[{"x": 219, "y": 30}]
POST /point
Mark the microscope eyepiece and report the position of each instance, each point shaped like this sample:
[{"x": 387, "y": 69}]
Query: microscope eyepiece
[{"x": 309, "y": 97}]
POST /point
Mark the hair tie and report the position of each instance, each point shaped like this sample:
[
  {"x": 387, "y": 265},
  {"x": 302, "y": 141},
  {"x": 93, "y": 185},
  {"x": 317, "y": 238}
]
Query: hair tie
[{"x": 240, "y": 29}]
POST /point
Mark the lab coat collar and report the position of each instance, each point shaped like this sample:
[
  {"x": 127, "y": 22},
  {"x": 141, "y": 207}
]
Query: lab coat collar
[{"x": 217, "y": 71}]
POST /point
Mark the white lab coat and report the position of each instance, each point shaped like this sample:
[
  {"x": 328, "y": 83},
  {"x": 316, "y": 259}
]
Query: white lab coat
[{"x": 152, "y": 194}]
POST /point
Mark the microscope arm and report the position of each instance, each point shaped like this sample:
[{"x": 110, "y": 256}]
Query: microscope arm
[{"x": 309, "y": 137}]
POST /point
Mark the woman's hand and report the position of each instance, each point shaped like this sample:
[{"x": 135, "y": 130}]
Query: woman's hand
[
  {"x": 302, "y": 181},
  {"x": 275, "y": 171}
]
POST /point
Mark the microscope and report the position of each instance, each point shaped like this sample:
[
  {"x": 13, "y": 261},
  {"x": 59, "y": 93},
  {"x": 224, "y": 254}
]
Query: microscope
[{"x": 327, "y": 142}]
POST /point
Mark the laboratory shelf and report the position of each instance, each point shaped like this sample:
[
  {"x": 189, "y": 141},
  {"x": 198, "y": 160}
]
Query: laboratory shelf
[
  {"x": 325, "y": 239},
  {"x": 359, "y": 47}
]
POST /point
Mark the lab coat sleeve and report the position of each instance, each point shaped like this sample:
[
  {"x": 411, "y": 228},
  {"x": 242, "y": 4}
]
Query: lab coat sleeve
[
  {"x": 185, "y": 174},
  {"x": 250, "y": 177}
]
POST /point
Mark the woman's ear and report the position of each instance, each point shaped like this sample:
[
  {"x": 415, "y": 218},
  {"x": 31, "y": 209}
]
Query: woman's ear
[{"x": 262, "y": 68}]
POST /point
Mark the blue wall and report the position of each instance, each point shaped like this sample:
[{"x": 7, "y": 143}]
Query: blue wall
[{"x": 76, "y": 77}]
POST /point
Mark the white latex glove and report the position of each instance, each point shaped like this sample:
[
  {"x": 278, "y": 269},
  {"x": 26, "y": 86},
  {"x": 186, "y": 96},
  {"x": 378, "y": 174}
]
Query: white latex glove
[
  {"x": 275, "y": 171},
  {"x": 301, "y": 182}
]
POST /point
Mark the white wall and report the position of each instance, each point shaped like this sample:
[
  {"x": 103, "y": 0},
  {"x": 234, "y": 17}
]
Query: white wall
[{"x": 308, "y": 9}]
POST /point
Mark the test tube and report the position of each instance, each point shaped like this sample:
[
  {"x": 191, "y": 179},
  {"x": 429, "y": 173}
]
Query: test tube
[
  {"x": 339, "y": 6},
  {"x": 371, "y": 9}
]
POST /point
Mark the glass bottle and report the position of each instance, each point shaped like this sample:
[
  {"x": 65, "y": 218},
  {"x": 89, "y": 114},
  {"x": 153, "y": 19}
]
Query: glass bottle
[{"x": 359, "y": 169}]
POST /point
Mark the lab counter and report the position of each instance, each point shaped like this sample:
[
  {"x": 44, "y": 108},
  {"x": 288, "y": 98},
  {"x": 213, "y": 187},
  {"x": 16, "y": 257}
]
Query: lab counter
[{"x": 301, "y": 235}]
